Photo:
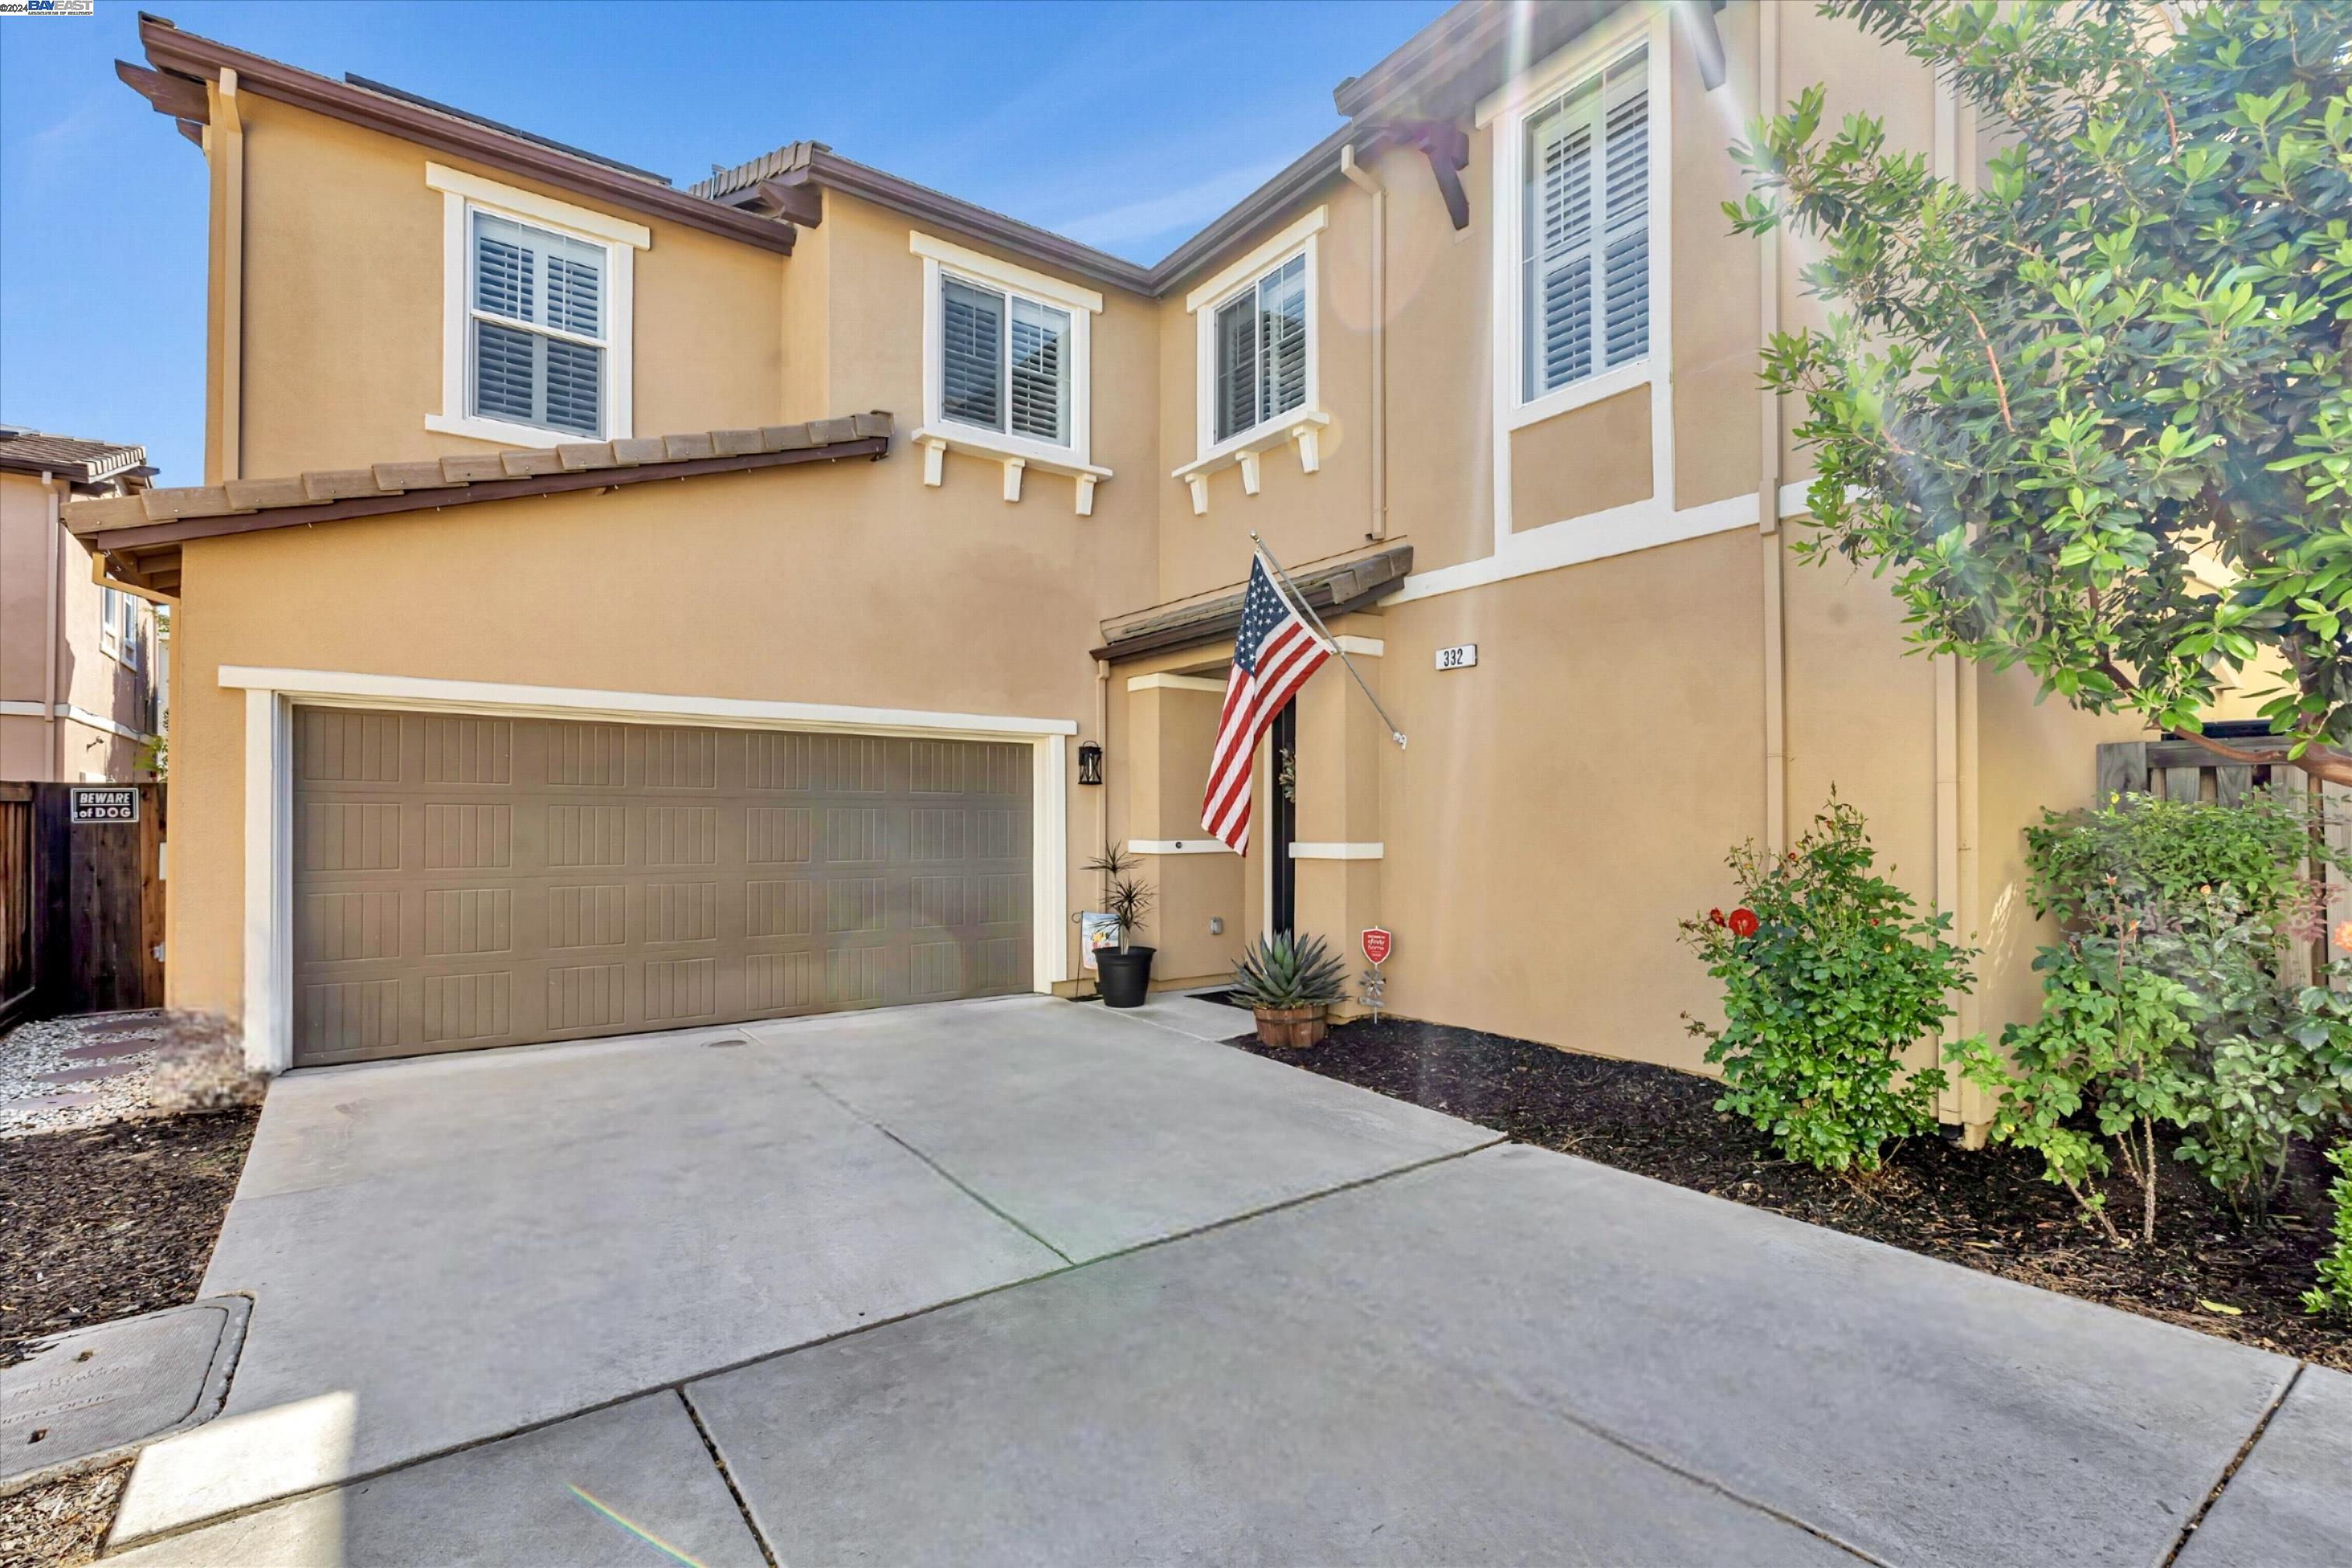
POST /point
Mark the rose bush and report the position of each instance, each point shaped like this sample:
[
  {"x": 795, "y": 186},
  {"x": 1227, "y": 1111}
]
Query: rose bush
[{"x": 1829, "y": 974}]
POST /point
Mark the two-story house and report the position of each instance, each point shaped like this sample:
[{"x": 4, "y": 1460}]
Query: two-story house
[
  {"x": 80, "y": 661},
  {"x": 567, "y": 646}
]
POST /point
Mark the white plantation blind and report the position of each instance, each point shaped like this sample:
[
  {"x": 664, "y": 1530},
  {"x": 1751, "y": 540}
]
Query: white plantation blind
[
  {"x": 1005, "y": 362},
  {"x": 1261, "y": 346},
  {"x": 537, "y": 342},
  {"x": 1586, "y": 300}
]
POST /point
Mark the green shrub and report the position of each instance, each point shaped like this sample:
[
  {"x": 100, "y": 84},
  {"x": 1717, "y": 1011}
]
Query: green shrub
[
  {"x": 2106, "y": 1048},
  {"x": 2149, "y": 854},
  {"x": 2202, "y": 899},
  {"x": 2334, "y": 1294},
  {"x": 1829, "y": 972}
]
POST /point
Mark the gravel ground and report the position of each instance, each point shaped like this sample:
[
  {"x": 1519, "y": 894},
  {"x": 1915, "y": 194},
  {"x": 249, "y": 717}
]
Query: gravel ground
[
  {"x": 34, "y": 1053},
  {"x": 1988, "y": 1209}
]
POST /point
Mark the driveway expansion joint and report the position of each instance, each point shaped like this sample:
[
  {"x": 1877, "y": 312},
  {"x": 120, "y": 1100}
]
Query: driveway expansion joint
[
  {"x": 2237, "y": 1462},
  {"x": 958, "y": 1183},
  {"x": 719, "y": 1462}
]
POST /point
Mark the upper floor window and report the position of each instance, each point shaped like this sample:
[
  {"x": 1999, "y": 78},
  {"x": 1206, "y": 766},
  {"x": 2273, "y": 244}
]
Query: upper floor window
[
  {"x": 1005, "y": 362},
  {"x": 1007, "y": 365},
  {"x": 1585, "y": 228},
  {"x": 1260, "y": 342},
  {"x": 535, "y": 343},
  {"x": 537, "y": 314}
]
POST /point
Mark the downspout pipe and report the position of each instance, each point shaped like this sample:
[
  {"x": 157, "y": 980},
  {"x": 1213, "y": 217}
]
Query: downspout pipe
[
  {"x": 1370, "y": 182},
  {"x": 1767, "y": 485},
  {"x": 52, "y": 589}
]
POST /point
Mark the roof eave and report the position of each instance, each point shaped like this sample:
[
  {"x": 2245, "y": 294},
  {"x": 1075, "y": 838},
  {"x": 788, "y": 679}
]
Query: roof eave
[{"x": 187, "y": 54}]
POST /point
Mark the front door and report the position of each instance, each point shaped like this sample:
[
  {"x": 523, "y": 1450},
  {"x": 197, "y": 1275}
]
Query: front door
[{"x": 1284, "y": 820}]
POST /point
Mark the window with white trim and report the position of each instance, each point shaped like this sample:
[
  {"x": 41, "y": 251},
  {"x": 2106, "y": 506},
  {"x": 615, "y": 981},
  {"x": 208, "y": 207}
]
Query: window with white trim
[
  {"x": 109, "y": 622},
  {"x": 1585, "y": 228},
  {"x": 535, "y": 338},
  {"x": 1260, "y": 338},
  {"x": 1005, "y": 362},
  {"x": 536, "y": 315}
]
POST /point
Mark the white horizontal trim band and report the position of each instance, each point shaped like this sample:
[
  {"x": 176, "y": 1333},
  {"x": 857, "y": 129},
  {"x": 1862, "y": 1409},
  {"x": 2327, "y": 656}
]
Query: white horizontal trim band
[
  {"x": 21, "y": 708},
  {"x": 1179, "y": 846},
  {"x": 1173, "y": 683},
  {"x": 1362, "y": 648},
  {"x": 1336, "y": 851},
  {"x": 1619, "y": 531},
  {"x": 645, "y": 707},
  {"x": 530, "y": 203}
]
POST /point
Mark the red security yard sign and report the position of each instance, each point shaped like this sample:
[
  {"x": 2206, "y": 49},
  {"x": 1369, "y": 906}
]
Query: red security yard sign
[{"x": 1377, "y": 943}]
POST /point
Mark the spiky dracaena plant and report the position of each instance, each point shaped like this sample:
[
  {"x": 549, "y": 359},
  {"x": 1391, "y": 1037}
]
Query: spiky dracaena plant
[
  {"x": 1127, "y": 897},
  {"x": 1281, "y": 971}
]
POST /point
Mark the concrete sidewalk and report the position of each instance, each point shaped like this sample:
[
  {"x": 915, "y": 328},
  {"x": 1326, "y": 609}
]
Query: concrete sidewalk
[{"x": 1304, "y": 1323}]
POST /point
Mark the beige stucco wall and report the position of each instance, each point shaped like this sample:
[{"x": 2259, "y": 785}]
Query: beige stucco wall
[
  {"x": 342, "y": 299},
  {"x": 89, "y": 679}
]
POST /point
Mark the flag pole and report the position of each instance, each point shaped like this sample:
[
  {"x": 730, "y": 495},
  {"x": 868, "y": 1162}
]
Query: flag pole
[{"x": 1315, "y": 621}]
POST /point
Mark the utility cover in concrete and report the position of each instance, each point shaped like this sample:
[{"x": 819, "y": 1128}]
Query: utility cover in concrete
[
  {"x": 2290, "y": 1504},
  {"x": 88, "y": 1396}
]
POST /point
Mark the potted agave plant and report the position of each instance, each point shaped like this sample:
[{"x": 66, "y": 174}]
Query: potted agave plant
[
  {"x": 1288, "y": 983},
  {"x": 1125, "y": 975}
]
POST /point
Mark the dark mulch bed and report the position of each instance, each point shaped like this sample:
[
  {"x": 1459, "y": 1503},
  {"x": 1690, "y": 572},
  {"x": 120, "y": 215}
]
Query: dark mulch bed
[
  {"x": 111, "y": 1221},
  {"x": 97, "y": 1223},
  {"x": 1988, "y": 1209}
]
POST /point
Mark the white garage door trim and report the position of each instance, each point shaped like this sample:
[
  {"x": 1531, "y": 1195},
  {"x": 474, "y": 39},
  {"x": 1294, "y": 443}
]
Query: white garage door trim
[{"x": 270, "y": 696}]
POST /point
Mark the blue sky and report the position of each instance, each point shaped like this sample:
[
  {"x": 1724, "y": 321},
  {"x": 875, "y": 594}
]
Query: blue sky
[{"x": 1124, "y": 125}]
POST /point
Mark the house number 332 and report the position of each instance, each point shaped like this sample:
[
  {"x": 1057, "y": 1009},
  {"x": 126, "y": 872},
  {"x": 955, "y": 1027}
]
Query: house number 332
[{"x": 1461, "y": 656}]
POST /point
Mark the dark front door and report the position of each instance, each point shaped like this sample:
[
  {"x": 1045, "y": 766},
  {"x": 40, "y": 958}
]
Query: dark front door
[{"x": 1284, "y": 819}]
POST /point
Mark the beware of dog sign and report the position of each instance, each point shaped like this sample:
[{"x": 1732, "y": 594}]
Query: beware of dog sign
[{"x": 95, "y": 805}]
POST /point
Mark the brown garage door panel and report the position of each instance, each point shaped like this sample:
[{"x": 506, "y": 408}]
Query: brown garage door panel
[{"x": 462, "y": 881}]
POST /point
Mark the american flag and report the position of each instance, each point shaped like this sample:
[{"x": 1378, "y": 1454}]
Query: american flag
[{"x": 1273, "y": 657}]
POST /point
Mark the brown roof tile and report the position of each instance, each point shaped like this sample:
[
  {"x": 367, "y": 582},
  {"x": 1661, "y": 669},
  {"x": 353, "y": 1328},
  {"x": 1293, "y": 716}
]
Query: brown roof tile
[
  {"x": 155, "y": 522},
  {"x": 73, "y": 458}
]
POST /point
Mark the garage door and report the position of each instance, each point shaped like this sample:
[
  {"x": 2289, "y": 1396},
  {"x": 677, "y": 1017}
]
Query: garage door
[{"x": 462, "y": 881}]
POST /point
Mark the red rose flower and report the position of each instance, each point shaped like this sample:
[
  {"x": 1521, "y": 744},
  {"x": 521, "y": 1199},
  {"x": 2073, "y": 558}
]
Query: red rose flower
[
  {"x": 1715, "y": 917},
  {"x": 1743, "y": 922}
]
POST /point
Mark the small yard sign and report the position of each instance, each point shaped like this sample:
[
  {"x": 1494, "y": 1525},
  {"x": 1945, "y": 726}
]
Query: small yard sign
[
  {"x": 1461, "y": 656},
  {"x": 1097, "y": 933},
  {"x": 103, "y": 805},
  {"x": 1377, "y": 943}
]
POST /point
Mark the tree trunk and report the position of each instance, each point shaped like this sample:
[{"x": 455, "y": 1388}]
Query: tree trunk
[{"x": 2320, "y": 762}]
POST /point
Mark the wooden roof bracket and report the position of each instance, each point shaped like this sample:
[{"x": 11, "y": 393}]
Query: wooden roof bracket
[
  {"x": 181, "y": 98},
  {"x": 1447, "y": 147}
]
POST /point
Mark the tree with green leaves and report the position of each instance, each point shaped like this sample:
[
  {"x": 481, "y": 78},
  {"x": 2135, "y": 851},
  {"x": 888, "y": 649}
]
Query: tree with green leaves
[{"x": 2093, "y": 418}]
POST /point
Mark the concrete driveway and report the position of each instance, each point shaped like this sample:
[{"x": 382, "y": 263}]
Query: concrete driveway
[{"x": 1028, "y": 1281}]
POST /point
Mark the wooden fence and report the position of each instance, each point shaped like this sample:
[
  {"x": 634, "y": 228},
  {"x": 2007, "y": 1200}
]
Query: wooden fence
[{"x": 82, "y": 904}]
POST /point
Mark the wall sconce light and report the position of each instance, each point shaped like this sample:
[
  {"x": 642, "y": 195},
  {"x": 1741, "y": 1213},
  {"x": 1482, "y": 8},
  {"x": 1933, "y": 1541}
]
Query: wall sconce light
[{"x": 1091, "y": 763}]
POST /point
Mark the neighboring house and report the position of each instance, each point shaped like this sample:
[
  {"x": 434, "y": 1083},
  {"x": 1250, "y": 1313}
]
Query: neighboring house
[
  {"x": 80, "y": 682},
  {"x": 548, "y": 670}
]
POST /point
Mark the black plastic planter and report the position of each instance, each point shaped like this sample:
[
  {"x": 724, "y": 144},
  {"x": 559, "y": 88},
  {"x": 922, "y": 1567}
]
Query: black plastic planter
[{"x": 1124, "y": 977}]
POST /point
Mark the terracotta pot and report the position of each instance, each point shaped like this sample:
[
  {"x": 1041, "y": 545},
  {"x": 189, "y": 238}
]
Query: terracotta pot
[{"x": 1291, "y": 1028}]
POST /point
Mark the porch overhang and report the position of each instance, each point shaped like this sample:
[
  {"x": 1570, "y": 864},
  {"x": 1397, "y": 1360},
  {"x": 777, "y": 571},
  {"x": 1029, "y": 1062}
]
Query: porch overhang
[{"x": 1332, "y": 587}]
